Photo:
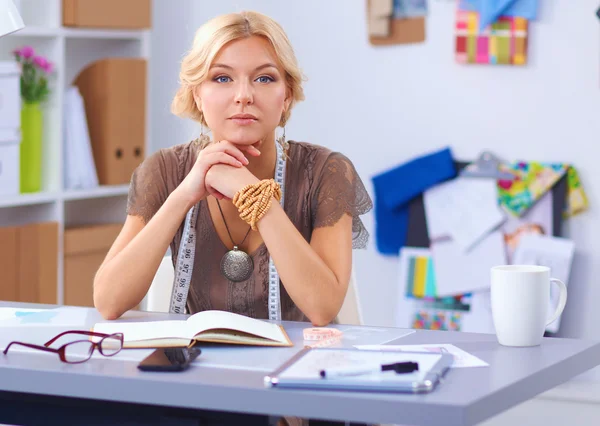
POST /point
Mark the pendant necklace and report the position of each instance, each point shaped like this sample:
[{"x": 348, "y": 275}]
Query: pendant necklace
[{"x": 236, "y": 264}]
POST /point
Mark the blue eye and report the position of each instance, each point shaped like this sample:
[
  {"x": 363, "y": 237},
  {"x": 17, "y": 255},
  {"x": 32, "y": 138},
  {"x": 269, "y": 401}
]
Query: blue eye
[
  {"x": 265, "y": 79},
  {"x": 222, "y": 79}
]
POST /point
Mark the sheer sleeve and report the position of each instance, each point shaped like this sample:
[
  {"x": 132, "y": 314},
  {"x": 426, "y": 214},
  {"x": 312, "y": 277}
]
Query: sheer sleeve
[
  {"x": 340, "y": 190},
  {"x": 148, "y": 188}
]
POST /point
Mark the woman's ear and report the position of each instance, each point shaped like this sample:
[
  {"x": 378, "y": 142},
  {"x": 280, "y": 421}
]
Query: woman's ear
[
  {"x": 197, "y": 98},
  {"x": 286, "y": 104}
]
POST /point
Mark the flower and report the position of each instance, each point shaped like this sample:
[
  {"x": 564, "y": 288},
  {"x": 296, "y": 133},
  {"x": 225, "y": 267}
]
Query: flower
[
  {"x": 25, "y": 52},
  {"x": 34, "y": 71},
  {"x": 42, "y": 63}
]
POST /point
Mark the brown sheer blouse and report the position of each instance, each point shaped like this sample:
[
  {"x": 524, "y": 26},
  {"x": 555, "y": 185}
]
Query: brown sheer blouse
[{"x": 320, "y": 186}]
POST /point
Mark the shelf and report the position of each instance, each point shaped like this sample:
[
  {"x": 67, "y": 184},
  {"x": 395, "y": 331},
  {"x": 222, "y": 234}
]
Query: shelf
[
  {"x": 81, "y": 33},
  {"x": 27, "y": 199},
  {"x": 103, "y": 33},
  {"x": 99, "y": 192},
  {"x": 32, "y": 31},
  {"x": 74, "y": 194}
]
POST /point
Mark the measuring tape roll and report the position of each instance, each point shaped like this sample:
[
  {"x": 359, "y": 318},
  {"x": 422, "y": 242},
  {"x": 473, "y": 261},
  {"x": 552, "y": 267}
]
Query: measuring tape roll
[
  {"x": 187, "y": 252},
  {"x": 320, "y": 333}
]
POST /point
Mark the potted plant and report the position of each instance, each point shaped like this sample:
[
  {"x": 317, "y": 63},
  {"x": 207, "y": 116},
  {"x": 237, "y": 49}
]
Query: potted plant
[{"x": 34, "y": 91}]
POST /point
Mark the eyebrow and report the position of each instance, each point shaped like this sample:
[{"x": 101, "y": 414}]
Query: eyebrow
[{"x": 263, "y": 66}]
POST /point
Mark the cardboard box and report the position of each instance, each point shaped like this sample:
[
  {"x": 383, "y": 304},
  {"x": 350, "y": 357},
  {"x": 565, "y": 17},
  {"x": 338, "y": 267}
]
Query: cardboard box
[
  {"x": 37, "y": 262},
  {"x": 8, "y": 263},
  {"x": 114, "y": 93},
  {"x": 121, "y": 14},
  {"x": 85, "y": 248}
]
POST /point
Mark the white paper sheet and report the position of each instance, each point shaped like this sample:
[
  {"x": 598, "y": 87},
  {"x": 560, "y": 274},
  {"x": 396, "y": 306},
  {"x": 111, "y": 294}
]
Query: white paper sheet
[
  {"x": 458, "y": 272},
  {"x": 309, "y": 366},
  {"x": 462, "y": 359},
  {"x": 553, "y": 252},
  {"x": 70, "y": 316},
  {"x": 464, "y": 208},
  {"x": 463, "y": 222},
  {"x": 14, "y": 313}
]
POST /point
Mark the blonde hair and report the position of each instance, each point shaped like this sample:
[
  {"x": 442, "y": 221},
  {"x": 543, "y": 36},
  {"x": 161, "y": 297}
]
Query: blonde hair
[{"x": 210, "y": 39}]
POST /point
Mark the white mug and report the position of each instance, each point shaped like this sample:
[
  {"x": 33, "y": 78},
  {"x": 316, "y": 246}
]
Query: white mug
[{"x": 520, "y": 297}]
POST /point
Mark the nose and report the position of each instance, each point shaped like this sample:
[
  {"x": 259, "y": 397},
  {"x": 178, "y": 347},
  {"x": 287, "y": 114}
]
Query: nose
[{"x": 244, "y": 95}]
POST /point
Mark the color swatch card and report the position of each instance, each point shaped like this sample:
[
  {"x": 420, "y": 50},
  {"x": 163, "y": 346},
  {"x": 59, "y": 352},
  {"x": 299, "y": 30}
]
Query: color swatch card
[
  {"x": 416, "y": 272},
  {"x": 504, "y": 42}
]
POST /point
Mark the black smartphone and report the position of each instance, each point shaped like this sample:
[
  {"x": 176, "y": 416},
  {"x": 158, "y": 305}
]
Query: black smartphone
[{"x": 169, "y": 359}]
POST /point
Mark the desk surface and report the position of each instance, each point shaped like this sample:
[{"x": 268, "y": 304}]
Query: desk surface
[{"x": 231, "y": 379}]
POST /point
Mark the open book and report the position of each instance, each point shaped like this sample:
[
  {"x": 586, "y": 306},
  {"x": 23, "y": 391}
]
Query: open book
[{"x": 206, "y": 326}]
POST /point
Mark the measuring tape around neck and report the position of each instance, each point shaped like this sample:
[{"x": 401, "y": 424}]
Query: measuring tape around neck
[{"x": 187, "y": 252}]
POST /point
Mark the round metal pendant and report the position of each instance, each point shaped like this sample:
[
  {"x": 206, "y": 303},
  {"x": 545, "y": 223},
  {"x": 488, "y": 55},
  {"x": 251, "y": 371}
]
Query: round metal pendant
[{"x": 236, "y": 265}]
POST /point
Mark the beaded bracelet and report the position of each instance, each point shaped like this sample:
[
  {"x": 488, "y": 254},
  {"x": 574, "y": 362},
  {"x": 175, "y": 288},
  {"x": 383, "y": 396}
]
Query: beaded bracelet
[{"x": 253, "y": 200}]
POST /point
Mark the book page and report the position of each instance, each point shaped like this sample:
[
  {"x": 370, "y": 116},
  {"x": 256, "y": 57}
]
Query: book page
[
  {"x": 147, "y": 330},
  {"x": 209, "y": 320}
]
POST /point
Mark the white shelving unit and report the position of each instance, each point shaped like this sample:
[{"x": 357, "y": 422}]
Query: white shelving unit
[{"x": 70, "y": 50}]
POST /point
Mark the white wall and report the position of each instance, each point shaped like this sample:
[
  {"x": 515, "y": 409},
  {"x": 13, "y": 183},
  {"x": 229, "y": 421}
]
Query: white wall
[{"x": 383, "y": 106}]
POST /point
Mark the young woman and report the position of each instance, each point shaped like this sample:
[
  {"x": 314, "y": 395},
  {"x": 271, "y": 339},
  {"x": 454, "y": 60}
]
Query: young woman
[{"x": 241, "y": 81}]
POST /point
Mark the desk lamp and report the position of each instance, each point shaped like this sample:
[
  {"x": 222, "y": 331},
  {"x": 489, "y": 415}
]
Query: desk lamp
[{"x": 10, "y": 19}]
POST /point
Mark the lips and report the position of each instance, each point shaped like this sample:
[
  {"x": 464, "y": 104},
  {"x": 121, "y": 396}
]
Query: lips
[{"x": 244, "y": 119}]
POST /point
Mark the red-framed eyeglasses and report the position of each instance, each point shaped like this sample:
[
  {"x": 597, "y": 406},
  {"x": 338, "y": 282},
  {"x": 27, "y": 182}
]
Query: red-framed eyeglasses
[{"x": 79, "y": 351}]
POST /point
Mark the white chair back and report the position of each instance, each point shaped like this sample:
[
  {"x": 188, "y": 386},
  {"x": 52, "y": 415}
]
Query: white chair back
[
  {"x": 351, "y": 312},
  {"x": 159, "y": 294}
]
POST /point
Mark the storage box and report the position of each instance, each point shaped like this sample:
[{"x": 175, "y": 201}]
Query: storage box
[
  {"x": 10, "y": 142},
  {"x": 114, "y": 93},
  {"x": 85, "y": 249},
  {"x": 125, "y": 14},
  {"x": 10, "y": 95},
  {"x": 37, "y": 263},
  {"x": 8, "y": 263}
]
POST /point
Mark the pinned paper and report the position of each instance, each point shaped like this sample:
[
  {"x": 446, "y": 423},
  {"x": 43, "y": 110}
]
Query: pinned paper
[
  {"x": 409, "y": 8},
  {"x": 417, "y": 273},
  {"x": 426, "y": 319},
  {"x": 380, "y": 14},
  {"x": 504, "y": 42},
  {"x": 534, "y": 179},
  {"x": 554, "y": 252},
  {"x": 491, "y": 10}
]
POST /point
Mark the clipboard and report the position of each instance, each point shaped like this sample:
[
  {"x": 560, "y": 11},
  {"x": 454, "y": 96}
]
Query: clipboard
[{"x": 302, "y": 371}]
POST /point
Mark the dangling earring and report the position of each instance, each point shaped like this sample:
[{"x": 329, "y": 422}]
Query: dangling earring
[
  {"x": 203, "y": 139},
  {"x": 282, "y": 141}
]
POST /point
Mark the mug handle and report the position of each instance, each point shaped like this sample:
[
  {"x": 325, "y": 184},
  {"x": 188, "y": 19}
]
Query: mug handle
[{"x": 562, "y": 301}]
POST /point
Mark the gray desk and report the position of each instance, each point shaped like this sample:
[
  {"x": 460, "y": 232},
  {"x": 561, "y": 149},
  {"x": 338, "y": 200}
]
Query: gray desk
[{"x": 33, "y": 381}]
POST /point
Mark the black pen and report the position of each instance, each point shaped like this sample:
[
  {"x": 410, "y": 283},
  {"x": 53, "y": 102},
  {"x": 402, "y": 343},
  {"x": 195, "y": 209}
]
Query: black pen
[{"x": 398, "y": 367}]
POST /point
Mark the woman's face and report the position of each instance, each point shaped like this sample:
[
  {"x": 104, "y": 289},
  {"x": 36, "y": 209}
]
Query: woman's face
[{"x": 245, "y": 93}]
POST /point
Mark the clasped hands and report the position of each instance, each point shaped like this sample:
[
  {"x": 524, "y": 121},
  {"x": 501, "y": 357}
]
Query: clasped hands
[{"x": 219, "y": 170}]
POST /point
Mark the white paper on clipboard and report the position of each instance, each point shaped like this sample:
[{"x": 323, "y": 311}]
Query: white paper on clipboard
[{"x": 303, "y": 370}]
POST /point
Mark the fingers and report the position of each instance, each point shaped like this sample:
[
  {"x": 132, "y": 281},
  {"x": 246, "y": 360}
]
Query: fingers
[
  {"x": 250, "y": 149},
  {"x": 234, "y": 152},
  {"x": 221, "y": 158},
  {"x": 229, "y": 148}
]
